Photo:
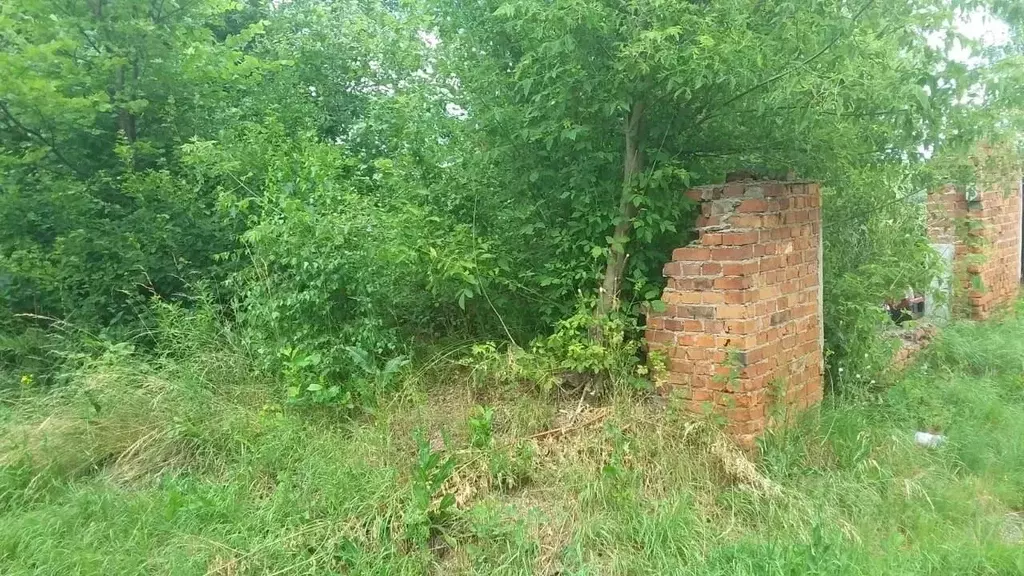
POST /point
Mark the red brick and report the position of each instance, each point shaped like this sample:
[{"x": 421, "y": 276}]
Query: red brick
[
  {"x": 731, "y": 311},
  {"x": 755, "y": 370},
  {"x": 682, "y": 366},
  {"x": 732, "y": 253},
  {"x": 740, "y": 221},
  {"x": 769, "y": 263},
  {"x": 781, "y": 317},
  {"x": 809, "y": 347},
  {"x": 761, "y": 353},
  {"x": 776, "y": 189},
  {"x": 672, "y": 297},
  {"x": 739, "y": 297},
  {"x": 712, "y": 239},
  {"x": 732, "y": 283},
  {"x": 698, "y": 312},
  {"x": 748, "y": 399},
  {"x": 733, "y": 190},
  {"x": 675, "y": 325},
  {"x": 718, "y": 356},
  {"x": 714, "y": 326},
  {"x": 691, "y": 253},
  {"x": 763, "y": 308},
  {"x": 711, "y": 297},
  {"x": 739, "y": 268},
  {"x": 693, "y": 326},
  {"x": 660, "y": 336},
  {"x": 740, "y": 326},
  {"x": 753, "y": 205},
  {"x": 705, "y": 340},
  {"x": 698, "y": 284},
  {"x": 735, "y": 341},
  {"x": 739, "y": 238},
  {"x": 702, "y": 395},
  {"x": 689, "y": 269},
  {"x": 711, "y": 268},
  {"x": 696, "y": 354}
]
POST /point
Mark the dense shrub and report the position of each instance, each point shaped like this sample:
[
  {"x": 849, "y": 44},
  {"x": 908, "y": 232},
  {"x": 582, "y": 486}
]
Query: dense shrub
[
  {"x": 875, "y": 249},
  {"x": 352, "y": 179}
]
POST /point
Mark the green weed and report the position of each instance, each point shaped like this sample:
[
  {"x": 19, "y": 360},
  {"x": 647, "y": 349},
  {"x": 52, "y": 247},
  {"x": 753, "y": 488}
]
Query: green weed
[
  {"x": 481, "y": 427},
  {"x": 198, "y": 464}
]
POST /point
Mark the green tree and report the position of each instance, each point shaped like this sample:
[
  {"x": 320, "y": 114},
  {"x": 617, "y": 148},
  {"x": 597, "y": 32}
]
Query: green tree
[
  {"x": 601, "y": 110},
  {"x": 97, "y": 215}
]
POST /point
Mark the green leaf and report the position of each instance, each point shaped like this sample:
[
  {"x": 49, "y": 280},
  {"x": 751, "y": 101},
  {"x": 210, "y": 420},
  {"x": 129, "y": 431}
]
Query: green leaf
[{"x": 922, "y": 98}]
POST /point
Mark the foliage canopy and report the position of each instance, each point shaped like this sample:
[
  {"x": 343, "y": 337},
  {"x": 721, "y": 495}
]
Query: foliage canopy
[{"x": 384, "y": 175}]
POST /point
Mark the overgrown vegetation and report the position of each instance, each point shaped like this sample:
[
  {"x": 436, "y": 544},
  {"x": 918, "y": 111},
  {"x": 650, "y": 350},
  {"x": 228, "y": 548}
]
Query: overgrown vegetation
[
  {"x": 190, "y": 464},
  {"x": 330, "y": 285},
  {"x": 346, "y": 177}
]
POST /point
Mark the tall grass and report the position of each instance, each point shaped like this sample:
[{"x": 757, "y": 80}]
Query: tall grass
[{"x": 191, "y": 463}]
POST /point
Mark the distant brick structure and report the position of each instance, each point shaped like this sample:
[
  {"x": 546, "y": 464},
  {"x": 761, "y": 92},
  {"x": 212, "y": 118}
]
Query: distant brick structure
[
  {"x": 984, "y": 231},
  {"x": 742, "y": 328}
]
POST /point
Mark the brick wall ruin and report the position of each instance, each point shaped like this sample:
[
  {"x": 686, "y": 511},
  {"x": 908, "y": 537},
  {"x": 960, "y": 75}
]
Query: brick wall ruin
[
  {"x": 742, "y": 330},
  {"x": 982, "y": 230}
]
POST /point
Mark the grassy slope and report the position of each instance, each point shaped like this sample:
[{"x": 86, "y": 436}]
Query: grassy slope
[{"x": 189, "y": 467}]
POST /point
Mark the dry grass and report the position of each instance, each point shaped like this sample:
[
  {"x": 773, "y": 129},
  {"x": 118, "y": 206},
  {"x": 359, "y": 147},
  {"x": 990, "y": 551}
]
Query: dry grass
[{"x": 132, "y": 427}]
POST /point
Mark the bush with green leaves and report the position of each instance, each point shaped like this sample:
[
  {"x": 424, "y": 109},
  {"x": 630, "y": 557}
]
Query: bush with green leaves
[
  {"x": 601, "y": 352},
  {"x": 384, "y": 175},
  {"x": 875, "y": 248},
  {"x": 333, "y": 258},
  {"x": 96, "y": 214}
]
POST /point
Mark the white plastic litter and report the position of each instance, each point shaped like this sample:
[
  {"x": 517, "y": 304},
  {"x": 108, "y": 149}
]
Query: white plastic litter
[{"x": 929, "y": 440}]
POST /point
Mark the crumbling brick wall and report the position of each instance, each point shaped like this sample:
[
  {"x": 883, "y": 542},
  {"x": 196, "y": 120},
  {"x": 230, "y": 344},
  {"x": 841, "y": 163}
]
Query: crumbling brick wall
[
  {"x": 985, "y": 232},
  {"x": 742, "y": 328}
]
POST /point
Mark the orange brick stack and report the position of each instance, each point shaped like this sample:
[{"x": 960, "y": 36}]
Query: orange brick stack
[
  {"x": 742, "y": 324},
  {"x": 986, "y": 234}
]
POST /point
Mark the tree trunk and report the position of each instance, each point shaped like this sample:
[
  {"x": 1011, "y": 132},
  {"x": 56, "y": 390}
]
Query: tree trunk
[
  {"x": 633, "y": 165},
  {"x": 125, "y": 119}
]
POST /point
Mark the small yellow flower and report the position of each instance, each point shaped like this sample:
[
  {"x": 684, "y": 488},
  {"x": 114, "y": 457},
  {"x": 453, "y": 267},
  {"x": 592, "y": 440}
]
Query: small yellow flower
[{"x": 26, "y": 380}]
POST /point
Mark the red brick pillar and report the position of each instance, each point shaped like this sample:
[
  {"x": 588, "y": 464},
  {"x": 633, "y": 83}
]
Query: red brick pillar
[
  {"x": 742, "y": 327},
  {"x": 985, "y": 231}
]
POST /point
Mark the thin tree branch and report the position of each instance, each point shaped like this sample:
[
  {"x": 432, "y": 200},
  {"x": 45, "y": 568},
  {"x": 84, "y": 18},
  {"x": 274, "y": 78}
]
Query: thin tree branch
[
  {"x": 38, "y": 136},
  {"x": 702, "y": 118},
  {"x": 787, "y": 71},
  {"x": 865, "y": 114}
]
